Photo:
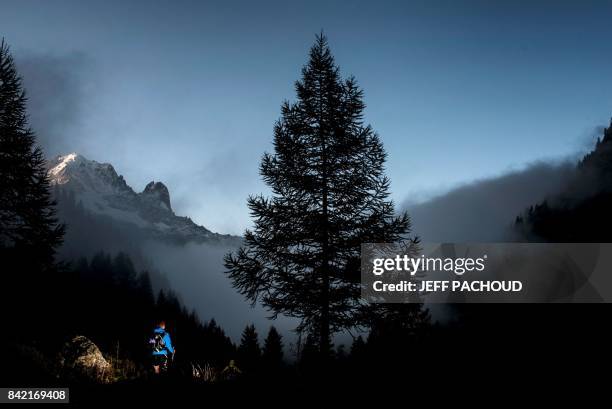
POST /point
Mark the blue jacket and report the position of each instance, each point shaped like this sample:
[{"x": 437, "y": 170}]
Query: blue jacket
[{"x": 167, "y": 342}]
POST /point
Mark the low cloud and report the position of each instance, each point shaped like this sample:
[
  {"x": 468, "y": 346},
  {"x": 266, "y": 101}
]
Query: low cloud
[
  {"x": 58, "y": 89},
  {"x": 485, "y": 210}
]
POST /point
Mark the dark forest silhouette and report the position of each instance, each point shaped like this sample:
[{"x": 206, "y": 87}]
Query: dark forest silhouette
[{"x": 581, "y": 212}]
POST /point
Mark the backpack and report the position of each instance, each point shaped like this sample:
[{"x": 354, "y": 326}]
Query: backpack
[{"x": 157, "y": 342}]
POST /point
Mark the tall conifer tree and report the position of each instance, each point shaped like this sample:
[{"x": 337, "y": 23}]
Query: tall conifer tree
[
  {"x": 28, "y": 225},
  {"x": 249, "y": 351},
  {"x": 329, "y": 195},
  {"x": 272, "y": 353}
]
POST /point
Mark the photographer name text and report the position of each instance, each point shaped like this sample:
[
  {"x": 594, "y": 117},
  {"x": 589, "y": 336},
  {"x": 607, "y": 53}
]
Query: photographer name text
[{"x": 430, "y": 286}]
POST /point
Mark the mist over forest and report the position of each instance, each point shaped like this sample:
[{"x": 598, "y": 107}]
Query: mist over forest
[{"x": 485, "y": 210}]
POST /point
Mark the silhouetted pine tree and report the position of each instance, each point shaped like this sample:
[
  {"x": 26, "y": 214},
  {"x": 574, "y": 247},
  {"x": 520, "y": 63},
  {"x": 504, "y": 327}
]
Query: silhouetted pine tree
[
  {"x": 219, "y": 349},
  {"x": 29, "y": 231},
  {"x": 249, "y": 352},
  {"x": 309, "y": 356},
  {"x": 28, "y": 224},
  {"x": 358, "y": 348},
  {"x": 273, "y": 350},
  {"x": 330, "y": 195},
  {"x": 145, "y": 289}
]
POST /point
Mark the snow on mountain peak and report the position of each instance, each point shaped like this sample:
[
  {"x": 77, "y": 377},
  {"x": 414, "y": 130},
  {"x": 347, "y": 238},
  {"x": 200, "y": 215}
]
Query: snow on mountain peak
[
  {"x": 99, "y": 189},
  {"x": 86, "y": 175},
  {"x": 57, "y": 166}
]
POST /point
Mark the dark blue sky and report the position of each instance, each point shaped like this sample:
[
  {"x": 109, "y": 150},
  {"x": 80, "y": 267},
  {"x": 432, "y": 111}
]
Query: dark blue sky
[{"x": 187, "y": 91}]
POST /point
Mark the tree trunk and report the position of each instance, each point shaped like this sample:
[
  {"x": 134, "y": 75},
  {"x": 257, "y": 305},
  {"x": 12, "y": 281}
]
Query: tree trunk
[{"x": 324, "y": 330}]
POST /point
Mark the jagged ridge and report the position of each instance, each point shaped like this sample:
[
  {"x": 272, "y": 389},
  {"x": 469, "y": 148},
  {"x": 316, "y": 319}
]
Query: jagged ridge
[{"x": 101, "y": 190}]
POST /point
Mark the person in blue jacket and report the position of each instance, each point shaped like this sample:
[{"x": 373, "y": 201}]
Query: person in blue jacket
[{"x": 162, "y": 348}]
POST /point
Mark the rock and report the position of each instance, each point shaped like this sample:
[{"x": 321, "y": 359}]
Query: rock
[
  {"x": 83, "y": 185},
  {"x": 158, "y": 192},
  {"x": 82, "y": 360}
]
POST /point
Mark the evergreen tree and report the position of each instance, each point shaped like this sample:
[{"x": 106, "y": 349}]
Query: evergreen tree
[
  {"x": 125, "y": 273},
  {"x": 358, "y": 348},
  {"x": 145, "y": 288},
  {"x": 273, "y": 350},
  {"x": 329, "y": 195},
  {"x": 219, "y": 348},
  {"x": 309, "y": 356},
  {"x": 249, "y": 352},
  {"x": 28, "y": 225}
]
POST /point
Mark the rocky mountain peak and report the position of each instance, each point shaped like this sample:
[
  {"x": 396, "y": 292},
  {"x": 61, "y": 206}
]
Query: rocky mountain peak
[
  {"x": 157, "y": 191},
  {"x": 100, "y": 190},
  {"x": 85, "y": 174}
]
